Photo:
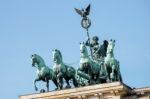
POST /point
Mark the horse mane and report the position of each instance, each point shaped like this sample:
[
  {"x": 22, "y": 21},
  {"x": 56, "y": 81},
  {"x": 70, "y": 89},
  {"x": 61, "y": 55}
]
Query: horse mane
[
  {"x": 59, "y": 53},
  {"x": 38, "y": 56}
]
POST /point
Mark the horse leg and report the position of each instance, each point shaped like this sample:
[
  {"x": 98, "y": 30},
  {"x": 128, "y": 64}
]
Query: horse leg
[
  {"x": 107, "y": 73},
  {"x": 68, "y": 84},
  {"x": 37, "y": 79},
  {"x": 97, "y": 81},
  {"x": 47, "y": 84},
  {"x": 60, "y": 82},
  {"x": 118, "y": 74},
  {"x": 119, "y": 78},
  {"x": 55, "y": 82},
  {"x": 75, "y": 82},
  {"x": 113, "y": 78}
]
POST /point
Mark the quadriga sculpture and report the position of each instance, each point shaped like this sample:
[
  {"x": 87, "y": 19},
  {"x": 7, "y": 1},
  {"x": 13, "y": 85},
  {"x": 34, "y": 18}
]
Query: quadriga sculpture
[
  {"x": 112, "y": 64},
  {"x": 44, "y": 73},
  {"x": 62, "y": 71}
]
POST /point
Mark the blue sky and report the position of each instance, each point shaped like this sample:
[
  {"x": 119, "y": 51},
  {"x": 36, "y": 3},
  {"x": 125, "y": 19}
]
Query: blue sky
[{"x": 38, "y": 26}]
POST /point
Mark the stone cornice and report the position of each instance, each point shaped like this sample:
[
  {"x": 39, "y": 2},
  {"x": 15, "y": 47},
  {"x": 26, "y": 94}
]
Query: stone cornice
[{"x": 99, "y": 90}]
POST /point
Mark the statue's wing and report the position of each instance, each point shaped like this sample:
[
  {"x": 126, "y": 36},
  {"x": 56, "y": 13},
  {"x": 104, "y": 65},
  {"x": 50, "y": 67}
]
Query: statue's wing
[
  {"x": 78, "y": 11},
  {"x": 88, "y": 10}
]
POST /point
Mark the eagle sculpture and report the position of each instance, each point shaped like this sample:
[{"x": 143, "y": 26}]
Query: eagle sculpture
[{"x": 84, "y": 12}]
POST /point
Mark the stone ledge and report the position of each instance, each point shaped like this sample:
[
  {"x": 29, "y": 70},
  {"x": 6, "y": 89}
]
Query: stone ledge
[
  {"x": 145, "y": 91},
  {"x": 105, "y": 90}
]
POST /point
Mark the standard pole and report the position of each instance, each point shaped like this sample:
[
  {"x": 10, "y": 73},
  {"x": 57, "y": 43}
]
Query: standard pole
[{"x": 89, "y": 42}]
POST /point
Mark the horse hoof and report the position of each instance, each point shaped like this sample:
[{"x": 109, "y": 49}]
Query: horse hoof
[
  {"x": 42, "y": 91},
  {"x": 67, "y": 87},
  {"x": 56, "y": 88}
]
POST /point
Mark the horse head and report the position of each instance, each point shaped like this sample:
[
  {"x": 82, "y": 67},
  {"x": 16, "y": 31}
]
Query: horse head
[
  {"x": 37, "y": 61},
  {"x": 34, "y": 59},
  {"x": 83, "y": 49},
  {"x": 57, "y": 56},
  {"x": 110, "y": 46}
]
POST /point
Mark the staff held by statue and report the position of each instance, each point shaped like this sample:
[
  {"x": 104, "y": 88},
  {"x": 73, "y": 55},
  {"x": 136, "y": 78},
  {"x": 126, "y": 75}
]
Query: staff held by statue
[{"x": 85, "y": 22}]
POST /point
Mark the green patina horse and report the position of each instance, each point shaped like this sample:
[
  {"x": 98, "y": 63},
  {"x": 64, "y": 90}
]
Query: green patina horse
[
  {"x": 44, "y": 73},
  {"x": 112, "y": 64},
  {"x": 62, "y": 71},
  {"x": 88, "y": 69}
]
